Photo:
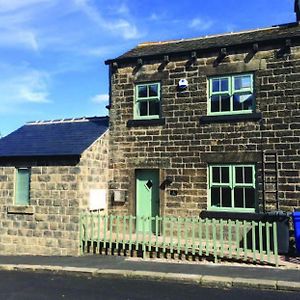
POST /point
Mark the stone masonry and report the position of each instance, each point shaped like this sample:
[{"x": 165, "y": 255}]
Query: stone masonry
[
  {"x": 59, "y": 191},
  {"x": 183, "y": 146}
]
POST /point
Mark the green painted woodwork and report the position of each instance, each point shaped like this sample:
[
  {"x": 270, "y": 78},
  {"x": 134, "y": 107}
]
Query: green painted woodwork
[
  {"x": 227, "y": 184},
  {"x": 22, "y": 186},
  {"x": 147, "y": 101},
  {"x": 249, "y": 241},
  {"x": 230, "y": 89},
  {"x": 147, "y": 199}
]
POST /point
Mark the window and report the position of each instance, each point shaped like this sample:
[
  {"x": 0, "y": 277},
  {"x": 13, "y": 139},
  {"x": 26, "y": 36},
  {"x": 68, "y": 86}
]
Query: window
[
  {"x": 231, "y": 95},
  {"x": 147, "y": 101},
  {"x": 22, "y": 186},
  {"x": 232, "y": 187}
]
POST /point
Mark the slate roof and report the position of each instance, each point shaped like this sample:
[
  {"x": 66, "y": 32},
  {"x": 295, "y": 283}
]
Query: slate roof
[
  {"x": 68, "y": 137},
  {"x": 285, "y": 31}
]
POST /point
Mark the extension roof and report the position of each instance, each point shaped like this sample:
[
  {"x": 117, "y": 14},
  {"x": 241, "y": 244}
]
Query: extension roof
[
  {"x": 206, "y": 43},
  {"x": 66, "y": 137}
]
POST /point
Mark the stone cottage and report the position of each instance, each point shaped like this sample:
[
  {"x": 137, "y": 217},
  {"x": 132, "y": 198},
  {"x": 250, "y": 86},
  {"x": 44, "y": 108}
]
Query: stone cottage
[
  {"x": 207, "y": 126},
  {"x": 49, "y": 172}
]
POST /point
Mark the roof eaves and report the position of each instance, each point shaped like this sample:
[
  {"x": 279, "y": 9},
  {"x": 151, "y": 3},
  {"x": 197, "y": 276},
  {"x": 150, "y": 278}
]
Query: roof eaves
[
  {"x": 124, "y": 59},
  {"x": 39, "y": 156}
]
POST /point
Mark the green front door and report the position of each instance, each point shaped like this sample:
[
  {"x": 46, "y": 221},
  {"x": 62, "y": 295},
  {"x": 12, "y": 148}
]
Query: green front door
[{"x": 147, "y": 198}]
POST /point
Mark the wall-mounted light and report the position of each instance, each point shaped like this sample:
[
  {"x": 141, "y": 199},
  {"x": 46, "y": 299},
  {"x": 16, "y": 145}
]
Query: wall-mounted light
[
  {"x": 168, "y": 180},
  {"x": 183, "y": 84}
]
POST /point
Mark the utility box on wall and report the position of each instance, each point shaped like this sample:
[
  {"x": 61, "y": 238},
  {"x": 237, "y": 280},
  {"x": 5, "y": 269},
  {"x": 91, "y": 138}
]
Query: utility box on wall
[{"x": 119, "y": 196}]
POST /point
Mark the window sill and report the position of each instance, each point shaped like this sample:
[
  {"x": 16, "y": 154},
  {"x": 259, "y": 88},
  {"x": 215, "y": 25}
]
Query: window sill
[
  {"x": 20, "y": 209},
  {"x": 146, "y": 122},
  {"x": 256, "y": 116}
]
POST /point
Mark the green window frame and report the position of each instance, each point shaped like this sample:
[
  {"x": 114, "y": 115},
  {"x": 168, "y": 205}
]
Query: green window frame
[
  {"x": 22, "y": 186},
  {"x": 229, "y": 95},
  {"x": 147, "y": 101},
  {"x": 232, "y": 187}
]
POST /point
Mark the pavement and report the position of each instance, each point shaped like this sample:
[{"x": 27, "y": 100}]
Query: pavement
[{"x": 223, "y": 275}]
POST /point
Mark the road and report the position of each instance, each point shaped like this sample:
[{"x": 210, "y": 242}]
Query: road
[{"x": 25, "y": 285}]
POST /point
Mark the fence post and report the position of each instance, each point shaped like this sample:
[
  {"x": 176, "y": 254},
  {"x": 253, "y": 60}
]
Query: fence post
[
  {"x": 179, "y": 235},
  {"x": 98, "y": 231},
  {"x": 254, "y": 240},
  {"x": 275, "y": 239},
  {"x": 86, "y": 232},
  {"x": 260, "y": 233},
  {"x": 245, "y": 225},
  {"x": 156, "y": 233},
  {"x": 268, "y": 241},
  {"x": 80, "y": 234},
  {"x": 171, "y": 235},
  {"x": 130, "y": 233},
  {"x": 193, "y": 236},
  {"x": 230, "y": 237},
  {"x": 237, "y": 238},
  {"x": 214, "y": 233},
  {"x": 117, "y": 233},
  {"x": 206, "y": 237},
  {"x": 200, "y": 236}
]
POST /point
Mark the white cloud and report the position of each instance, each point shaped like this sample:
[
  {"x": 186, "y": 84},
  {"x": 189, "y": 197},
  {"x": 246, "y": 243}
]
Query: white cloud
[
  {"x": 11, "y": 5},
  {"x": 100, "y": 98},
  {"x": 121, "y": 9},
  {"x": 117, "y": 26},
  {"x": 97, "y": 51},
  {"x": 22, "y": 38},
  {"x": 21, "y": 85},
  {"x": 17, "y": 23},
  {"x": 201, "y": 24},
  {"x": 154, "y": 17}
]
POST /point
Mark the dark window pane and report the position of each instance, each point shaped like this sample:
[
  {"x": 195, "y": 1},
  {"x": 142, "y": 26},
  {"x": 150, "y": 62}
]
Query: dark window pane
[
  {"x": 153, "y": 90},
  {"x": 237, "y": 83},
  {"x": 242, "y": 102},
  {"x": 248, "y": 175},
  {"x": 215, "y": 197},
  {"x": 225, "y": 103},
  {"x": 226, "y": 197},
  {"x": 237, "y": 105},
  {"x": 239, "y": 197},
  {"x": 225, "y": 174},
  {"x": 216, "y": 174},
  {"x": 239, "y": 175},
  {"x": 143, "y": 108},
  {"x": 153, "y": 108},
  {"x": 215, "y": 107},
  {"x": 142, "y": 91},
  {"x": 248, "y": 102},
  {"x": 250, "y": 197},
  {"x": 224, "y": 85},
  {"x": 215, "y": 85}
]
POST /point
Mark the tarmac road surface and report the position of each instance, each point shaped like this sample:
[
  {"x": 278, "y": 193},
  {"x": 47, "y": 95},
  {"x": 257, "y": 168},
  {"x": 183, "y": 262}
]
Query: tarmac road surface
[{"x": 39, "y": 286}]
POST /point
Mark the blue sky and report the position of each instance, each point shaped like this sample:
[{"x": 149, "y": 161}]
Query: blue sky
[{"x": 53, "y": 51}]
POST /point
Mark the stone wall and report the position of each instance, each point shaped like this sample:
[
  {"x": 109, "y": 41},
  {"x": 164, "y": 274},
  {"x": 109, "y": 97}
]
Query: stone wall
[
  {"x": 183, "y": 146},
  {"x": 94, "y": 172},
  {"x": 58, "y": 193}
]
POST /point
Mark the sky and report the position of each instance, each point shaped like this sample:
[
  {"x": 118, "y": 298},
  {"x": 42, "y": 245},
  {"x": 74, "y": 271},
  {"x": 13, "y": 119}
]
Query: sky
[{"x": 52, "y": 52}]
